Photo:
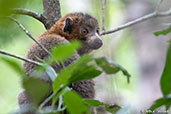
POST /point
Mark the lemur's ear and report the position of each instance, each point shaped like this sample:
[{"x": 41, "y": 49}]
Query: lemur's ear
[{"x": 68, "y": 25}]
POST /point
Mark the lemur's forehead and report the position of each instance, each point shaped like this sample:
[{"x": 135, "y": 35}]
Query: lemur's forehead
[
  {"x": 84, "y": 19},
  {"x": 90, "y": 21}
]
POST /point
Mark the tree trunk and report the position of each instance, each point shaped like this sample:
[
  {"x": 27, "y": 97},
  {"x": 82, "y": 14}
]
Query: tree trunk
[{"x": 52, "y": 11}]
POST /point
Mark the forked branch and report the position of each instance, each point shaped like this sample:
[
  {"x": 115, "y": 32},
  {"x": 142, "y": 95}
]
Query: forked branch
[
  {"x": 141, "y": 19},
  {"x": 33, "y": 14},
  {"x": 51, "y": 14}
]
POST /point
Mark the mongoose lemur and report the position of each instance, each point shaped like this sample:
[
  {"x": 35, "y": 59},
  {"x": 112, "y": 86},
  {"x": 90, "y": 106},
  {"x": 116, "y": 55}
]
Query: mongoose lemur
[{"x": 73, "y": 26}]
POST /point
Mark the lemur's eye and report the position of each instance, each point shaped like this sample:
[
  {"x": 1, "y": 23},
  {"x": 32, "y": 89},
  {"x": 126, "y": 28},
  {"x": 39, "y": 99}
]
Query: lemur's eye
[{"x": 84, "y": 32}]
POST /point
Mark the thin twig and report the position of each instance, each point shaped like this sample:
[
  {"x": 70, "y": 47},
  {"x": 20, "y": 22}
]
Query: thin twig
[
  {"x": 21, "y": 58},
  {"x": 141, "y": 19},
  {"x": 33, "y": 14},
  {"x": 103, "y": 14},
  {"x": 28, "y": 34},
  {"x": 50, "y": 97},
  {"x": 47, "y": 100}
]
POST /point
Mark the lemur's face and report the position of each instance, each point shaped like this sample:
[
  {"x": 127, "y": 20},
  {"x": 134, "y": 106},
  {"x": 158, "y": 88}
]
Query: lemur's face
[
  {"x": 85, "y": 28},
  {"x": 89, "y": 33}
]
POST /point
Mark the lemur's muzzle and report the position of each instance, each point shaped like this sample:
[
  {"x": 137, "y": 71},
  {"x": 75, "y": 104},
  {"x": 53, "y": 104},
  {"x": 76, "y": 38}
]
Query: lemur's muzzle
[{"x": 94, "y": 42}]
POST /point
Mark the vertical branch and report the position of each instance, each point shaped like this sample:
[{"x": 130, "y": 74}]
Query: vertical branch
[
  {"x": 52, "y": 11},
  {"x": 103, "y": 14},
  {"x": 158, "y": 5}
]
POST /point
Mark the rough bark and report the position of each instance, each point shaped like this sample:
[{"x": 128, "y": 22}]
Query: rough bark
[{"x": 52, "y": 11}]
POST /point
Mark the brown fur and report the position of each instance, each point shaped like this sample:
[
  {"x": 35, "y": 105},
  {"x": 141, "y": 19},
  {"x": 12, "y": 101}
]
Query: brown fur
[{"x": 56, "y": 36}]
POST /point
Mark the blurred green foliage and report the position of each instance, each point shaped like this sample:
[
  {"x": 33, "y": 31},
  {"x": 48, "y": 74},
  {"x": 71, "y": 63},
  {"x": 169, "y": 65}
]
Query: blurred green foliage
[
  {"x": 14, "y": 40},
  {"x": 80, "y": 70},
  {"x": 36, "y": 89},
  {"x": 8, "y": 29},
  {"x": 7, "y": 5},
  {"x": 14, "y": 65}
]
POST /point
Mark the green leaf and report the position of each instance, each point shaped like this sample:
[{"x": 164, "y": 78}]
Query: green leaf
[
  {"x": 58, "y": 96},
  {"x": 63, "y": 52},
  {"x": 75, "y": 103},
  {"x": 166, "y": 76},
  {"x": 165, "y": 85},
  {"x": 111, "y": 67},
  {"x": 106, "y": 65},
  {"x": 65, "y": 75},
  {"x": 75, "y": 72},
  {"x": 163, "y": 32},
  {"x": 61, "y": 80},
  {"x": 160, "y": 102},
  {"x": 14, "y": 65},
  {"x": 83, "y": 70},
  {"x": 36, "y": 89},
  {"x": 85, "y": 73},
  {"x": 94, "y": 103}
]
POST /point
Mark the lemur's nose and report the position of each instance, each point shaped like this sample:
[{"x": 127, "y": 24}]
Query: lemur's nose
[
  {"x": 98, "y": 42},
  {"x": 94, "y": 42}
]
